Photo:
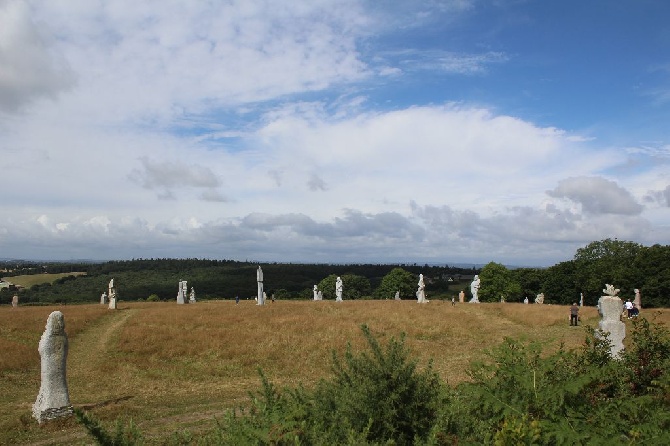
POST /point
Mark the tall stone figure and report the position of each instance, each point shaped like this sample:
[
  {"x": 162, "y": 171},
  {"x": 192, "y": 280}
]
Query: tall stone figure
[
  {"x": 181, "y": 293},
  {"x": 638, "y": 300},
  {"x": 111, "y": 294},
  {"x": 259, "y": 279},
  {"x": 103, "y": 298},
  {"x": 461, "y": 296},
  {"x": 191, "y": 297},
  {"x": 53, "y": 399},
  {"x": 421, "y": 291},
  {"x": 338, "y": 289},
  {"x": 609, "y": 307},
  {"x": 474, "y": 289},
  {"x": 316, "y": 292}
]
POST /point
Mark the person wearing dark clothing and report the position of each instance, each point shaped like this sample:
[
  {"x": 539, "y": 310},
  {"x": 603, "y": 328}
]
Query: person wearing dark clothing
[{"x": 574, "y": 314}]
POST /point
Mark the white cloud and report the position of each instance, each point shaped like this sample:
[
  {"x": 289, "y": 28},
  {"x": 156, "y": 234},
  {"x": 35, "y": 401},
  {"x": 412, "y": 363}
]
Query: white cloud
[
  {"x": 205, "y": 129},
  {"x": 29, "y": 67},
  {"x": 597, "y": 196}
]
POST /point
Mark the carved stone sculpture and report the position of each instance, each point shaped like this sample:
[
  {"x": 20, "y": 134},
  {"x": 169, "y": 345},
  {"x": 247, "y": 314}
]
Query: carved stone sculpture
[
  {"x": 260, "y": 298},
  {"x": 637, "y": 301},
  {"x": 111, "y": 294},
  {"x": 316, "y": 292},
  {"x": 338, "y": 289},
  {"x": 397, "y": 296},
  {"x": 15, "y": 301},
  {"x": 191, "y": 297},
  {"x": 461, "y": 296},
  {"x": 609, "y": 308},
  {"x": 181, "y": 293},
  {"x": 421, "y": 291},
  {"x": 539, "y": 299},
  {"x": 103, "y": 298},
  {"x": 53, "y": 399},
  {"x": 474, "y": 289}
]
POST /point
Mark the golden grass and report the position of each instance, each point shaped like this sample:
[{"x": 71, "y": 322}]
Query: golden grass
[
  {"x": 172, "y": 366},
  {"x": 29, "y": 280}
]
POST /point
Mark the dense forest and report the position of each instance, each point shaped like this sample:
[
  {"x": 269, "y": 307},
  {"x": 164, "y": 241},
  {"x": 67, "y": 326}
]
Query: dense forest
[{"x": 627, "y": 265}]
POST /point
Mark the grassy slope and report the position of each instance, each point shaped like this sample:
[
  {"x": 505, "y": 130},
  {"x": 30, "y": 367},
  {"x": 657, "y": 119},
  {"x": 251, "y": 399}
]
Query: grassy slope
[
  {"x": 171, "y": 367},
  {"x": 27, "y": 281}
]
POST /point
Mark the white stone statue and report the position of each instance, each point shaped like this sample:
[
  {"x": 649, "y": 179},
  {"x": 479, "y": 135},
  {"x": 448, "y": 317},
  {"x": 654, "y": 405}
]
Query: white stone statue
[
  {"x": 525, "y": 300},
  {"x": 191, "y": 297},
  {"x": 53, "y": 399},
  {"x": 397, "y": 295},
  {"x": 461, "y": 296},
  {"x": 103, "y": 298},
  {"x": 539, "y": 299},
  {"x": 260, "y": 299},
  {"x": 181, "y": 293},
  {"x": 421, "y": 291},
  {"x": 111, "y": 295},
  {"x": 609, "y": 308},
  {"x": 474, "y": 289},
  {"x": 15, "y": 301},
  {"x": 320, "y": 295},
  {"x": 581, "y": 299},
  {"x": 338, "y": 289},
  {"x": 316, "y": 292},
  {"x": 637, "y": 301},
  {"x": 502, "y": 299}
]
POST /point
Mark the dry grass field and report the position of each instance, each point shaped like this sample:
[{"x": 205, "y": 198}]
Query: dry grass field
[
  {"x": 27, "y": 281},
  {"x": 172, "y": 367}
]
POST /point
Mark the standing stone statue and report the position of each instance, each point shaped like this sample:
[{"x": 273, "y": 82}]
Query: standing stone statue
[
  {"x": 103, "y": 298},
  {"x": 316, "y": 292},
  {"x": 609, "y": 308},
  {"x": 260, "y": 300},
  {"x": 397, "y": 295},
  {"x": 191, "y": 297},
  {"x": 53, "y": 399},
  {"x": 320, "y": 295},
  {"x": 181, "y": 293},
  {"x": 111, "y": 294},
  {"x": 637, "y": 301},
  {"x": 421, "y": 291},
  {"x": 474, "y": 289},
  {"x": 15, "y": 301},
  {"x": 539, "y": 299},
  {"x": 581, "y": 299},
  {"x": 525, "y": 300},
  {"x": 338, "y": 290},
  {"x": 461, "y": 297}
]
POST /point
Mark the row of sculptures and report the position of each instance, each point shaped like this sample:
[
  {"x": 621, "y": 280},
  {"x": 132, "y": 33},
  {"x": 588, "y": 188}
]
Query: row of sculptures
[{"x": 339, "y": 287}]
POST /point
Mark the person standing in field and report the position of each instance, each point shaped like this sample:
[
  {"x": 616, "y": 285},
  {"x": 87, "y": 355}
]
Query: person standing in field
[{"x": 574, "y": 314}]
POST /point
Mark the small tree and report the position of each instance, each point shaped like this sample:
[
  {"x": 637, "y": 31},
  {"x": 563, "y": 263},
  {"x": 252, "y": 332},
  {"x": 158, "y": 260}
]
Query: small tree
[
  {"x": 496, "y": 281},
  {"x": 397, "y": 279}
]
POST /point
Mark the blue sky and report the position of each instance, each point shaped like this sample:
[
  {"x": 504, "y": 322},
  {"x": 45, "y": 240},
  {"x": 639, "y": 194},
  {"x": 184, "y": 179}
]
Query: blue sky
[{"x": 333, "y": 131}]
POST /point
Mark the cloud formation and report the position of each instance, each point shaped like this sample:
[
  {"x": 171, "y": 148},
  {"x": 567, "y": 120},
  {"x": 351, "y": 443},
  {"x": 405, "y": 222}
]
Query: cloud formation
[
  {"x": 327, "y": 131},
  {"x": 29, "y": 68},
  {"x": 597, "y": 196}
]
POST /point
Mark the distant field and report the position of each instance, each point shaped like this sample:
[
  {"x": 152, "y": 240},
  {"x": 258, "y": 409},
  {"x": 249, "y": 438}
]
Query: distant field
[
  {"x": 34, "y": 279},
  {"x": 172, "y": 367}
]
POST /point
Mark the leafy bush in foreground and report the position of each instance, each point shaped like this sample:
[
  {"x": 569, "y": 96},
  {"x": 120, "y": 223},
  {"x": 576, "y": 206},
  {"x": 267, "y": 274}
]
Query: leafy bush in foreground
[{"x": 519, "y": 396}]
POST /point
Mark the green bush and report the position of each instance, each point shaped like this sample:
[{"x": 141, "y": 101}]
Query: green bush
[
  {"x": 520, "y": 395},
  {"x": 153, "y": 298}
]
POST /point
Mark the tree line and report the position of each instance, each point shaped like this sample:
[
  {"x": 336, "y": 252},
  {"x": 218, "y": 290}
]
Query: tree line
[{"x": 625, "y": 264}]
